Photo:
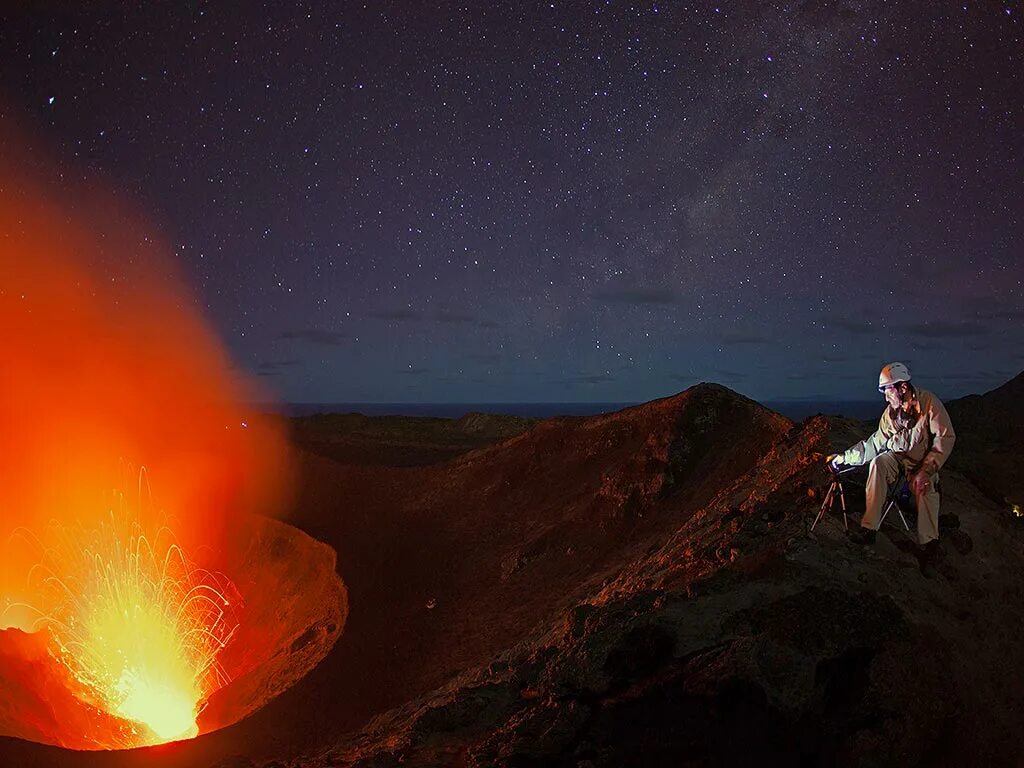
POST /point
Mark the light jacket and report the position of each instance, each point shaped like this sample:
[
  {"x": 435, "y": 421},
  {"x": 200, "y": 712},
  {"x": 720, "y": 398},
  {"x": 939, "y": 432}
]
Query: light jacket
[{"x": 925, "y": 442}]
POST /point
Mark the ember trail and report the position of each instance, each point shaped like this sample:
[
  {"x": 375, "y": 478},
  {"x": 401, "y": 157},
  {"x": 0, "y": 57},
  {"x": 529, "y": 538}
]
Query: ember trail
[{"x": 136, "y": 624}]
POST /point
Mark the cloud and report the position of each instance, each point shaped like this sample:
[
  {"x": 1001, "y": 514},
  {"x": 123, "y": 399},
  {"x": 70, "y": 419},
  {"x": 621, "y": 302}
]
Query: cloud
[
  {"x": 635, "y": 295},
  {"x": 730, "y": 377},
  {"x": 400, "y": 315},
  {"x": 1002, "y": 314},
  {"x": 979, "y": 376},
  {"x": 942, "y": 329},
  {"x": 317, "y": 336},
  {"x": 808, "y": 376},
  {"x": 274, "y": 367},
  {"x": 599, "y": 378},
  {"x": 992, "y": 308},
  {"x": 445, "y": 316},
  {"x": 861, "y": 327},
  {"x": 963, "y": 376},
  {"x": 742, "y": 337}
]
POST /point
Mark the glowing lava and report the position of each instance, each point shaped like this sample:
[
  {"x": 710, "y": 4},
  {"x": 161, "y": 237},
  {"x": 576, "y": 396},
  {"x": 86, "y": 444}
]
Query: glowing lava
[
  {"x": 136, "y": 624},
  {"x": 110, "y": 635}
]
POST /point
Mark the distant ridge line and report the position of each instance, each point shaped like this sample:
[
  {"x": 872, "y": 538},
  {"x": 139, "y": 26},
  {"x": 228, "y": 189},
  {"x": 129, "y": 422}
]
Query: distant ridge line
[{"x": 796, "y": 410}]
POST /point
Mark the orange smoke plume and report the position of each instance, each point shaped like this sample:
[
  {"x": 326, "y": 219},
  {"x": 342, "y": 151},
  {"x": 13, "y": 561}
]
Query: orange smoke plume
[
  {"x": 107, "y": 360},
  {"x": 107, "y": 367}
]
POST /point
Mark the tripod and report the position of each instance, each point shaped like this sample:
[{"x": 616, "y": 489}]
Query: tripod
[{"x": 834, "y": 489}]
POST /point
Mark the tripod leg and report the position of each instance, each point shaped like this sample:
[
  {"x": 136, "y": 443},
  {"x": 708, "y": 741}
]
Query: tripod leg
[
  {"x": 826, "y": 504},
  {"x": 842, "y": 501}
]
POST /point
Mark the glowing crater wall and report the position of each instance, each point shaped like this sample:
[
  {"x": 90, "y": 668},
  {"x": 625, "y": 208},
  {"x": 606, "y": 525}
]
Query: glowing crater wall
[{"x": 295, "y": 606}]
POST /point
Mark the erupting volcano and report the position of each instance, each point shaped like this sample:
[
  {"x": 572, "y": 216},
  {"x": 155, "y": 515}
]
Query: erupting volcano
[
  {"x": 137, "y": 625},
  {"x": 119, "y": 609}
]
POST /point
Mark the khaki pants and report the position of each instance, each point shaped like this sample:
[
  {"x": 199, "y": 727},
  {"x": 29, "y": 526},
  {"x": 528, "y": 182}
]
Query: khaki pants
[{"x": 883, "y": 471}]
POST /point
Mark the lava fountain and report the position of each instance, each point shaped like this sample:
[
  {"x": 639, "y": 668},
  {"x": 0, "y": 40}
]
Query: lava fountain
[
  {"x": 128, "y": 620},
  {"x": 136, "y": 624}
]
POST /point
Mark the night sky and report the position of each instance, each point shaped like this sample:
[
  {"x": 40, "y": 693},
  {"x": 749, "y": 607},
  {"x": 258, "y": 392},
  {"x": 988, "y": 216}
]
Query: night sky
[{"x": 567, "y": 201}]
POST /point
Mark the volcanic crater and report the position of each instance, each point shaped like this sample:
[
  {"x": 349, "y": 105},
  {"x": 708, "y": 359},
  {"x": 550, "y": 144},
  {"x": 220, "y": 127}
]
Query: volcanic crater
[
  {"x": 634, "y": 588},
  {"x": 293, "y": 609}
]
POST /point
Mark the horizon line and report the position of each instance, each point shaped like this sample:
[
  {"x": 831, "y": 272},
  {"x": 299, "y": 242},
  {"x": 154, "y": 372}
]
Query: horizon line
[{"x": 811, "y": 399}]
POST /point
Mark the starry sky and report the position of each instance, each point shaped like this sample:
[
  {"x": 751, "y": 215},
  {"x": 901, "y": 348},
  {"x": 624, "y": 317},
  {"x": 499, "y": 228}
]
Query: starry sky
[{"x": 560, "y": 201}]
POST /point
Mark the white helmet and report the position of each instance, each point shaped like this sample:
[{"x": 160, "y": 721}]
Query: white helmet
[{"x": 891, "y": 374}]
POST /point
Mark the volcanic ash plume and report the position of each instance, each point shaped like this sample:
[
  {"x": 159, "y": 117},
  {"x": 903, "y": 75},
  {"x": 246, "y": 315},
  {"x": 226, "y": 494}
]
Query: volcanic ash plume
[{"x": 128, "y": 470}]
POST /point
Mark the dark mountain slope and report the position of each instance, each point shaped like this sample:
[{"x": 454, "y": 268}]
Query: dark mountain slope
[
  {"x": 990, "y": 441},
  {"x": 742, "y": 639},
  {"x": 640, "y": 588}
]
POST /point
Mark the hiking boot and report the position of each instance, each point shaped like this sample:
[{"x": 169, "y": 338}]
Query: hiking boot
[
  {"x": 928, "y": 568},
  {"x": 930, "y": 557},
  {"x": 862, "y": 535},
  {"x": 961, "y": 541}
]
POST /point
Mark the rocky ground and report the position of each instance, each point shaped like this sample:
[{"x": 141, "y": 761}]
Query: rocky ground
[
  {"x": 991, "y": 441},
  {"x": 641, "y": 588},
  {"x": 744, "y": 637}
]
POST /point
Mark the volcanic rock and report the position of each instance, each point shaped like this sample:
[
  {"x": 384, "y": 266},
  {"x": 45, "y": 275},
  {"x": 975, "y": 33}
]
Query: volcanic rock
[
  {"x": 642, "y": 588},
  {"x": 990, "y": 441}
]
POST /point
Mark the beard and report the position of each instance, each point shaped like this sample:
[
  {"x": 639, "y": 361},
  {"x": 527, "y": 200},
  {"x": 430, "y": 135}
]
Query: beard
[{"x": 905, "y": 414}]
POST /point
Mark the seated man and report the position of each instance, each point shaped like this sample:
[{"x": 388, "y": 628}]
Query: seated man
[{"x": 914, "y": 434}]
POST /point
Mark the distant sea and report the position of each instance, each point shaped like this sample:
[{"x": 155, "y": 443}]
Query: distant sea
[{"x": 798, "y": 410}]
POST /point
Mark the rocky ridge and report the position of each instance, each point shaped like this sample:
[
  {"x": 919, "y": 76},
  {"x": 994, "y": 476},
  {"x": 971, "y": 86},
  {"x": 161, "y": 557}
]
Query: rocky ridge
[
  {"x": 642, "y": 587},
  {"x": 743, "y": 635}
]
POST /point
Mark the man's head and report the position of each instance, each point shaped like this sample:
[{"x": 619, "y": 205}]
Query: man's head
[{"x": 894, "y": 383}]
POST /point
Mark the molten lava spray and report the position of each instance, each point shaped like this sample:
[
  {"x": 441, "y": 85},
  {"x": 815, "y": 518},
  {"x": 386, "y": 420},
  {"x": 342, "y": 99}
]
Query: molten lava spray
[
  {"x": 135, "y": 623},
  {"x": 106, "y": 364}
]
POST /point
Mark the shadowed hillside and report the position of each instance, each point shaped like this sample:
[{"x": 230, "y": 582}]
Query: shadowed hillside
[
  {"x": 400, "y": 441},
  {"x": 639, "y": 588},
  {"x": 990, "y": 440}
]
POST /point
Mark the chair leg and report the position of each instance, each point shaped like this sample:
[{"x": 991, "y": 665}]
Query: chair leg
[
  {"x": 899, "y": 512},
  {"x": 881, "y": 520},
  {"x": 907, "y": 527}
]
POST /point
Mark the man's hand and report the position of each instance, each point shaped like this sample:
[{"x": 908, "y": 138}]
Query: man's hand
[
  {"x": 834, "y": 461},
  {"x": 920, "y": 479}
]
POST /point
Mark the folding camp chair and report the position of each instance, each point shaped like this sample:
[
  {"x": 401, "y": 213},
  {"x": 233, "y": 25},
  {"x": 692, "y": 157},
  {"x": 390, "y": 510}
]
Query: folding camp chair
[{"x": 898, "y": 496}]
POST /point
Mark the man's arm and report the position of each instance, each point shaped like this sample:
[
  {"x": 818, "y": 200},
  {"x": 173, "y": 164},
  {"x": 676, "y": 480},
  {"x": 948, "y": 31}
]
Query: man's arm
[
  {"x": 943, "y": 436},
  {"x": 866, "y": 449}
]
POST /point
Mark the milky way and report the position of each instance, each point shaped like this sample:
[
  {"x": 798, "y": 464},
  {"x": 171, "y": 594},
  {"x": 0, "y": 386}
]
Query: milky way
[{"x": 561, "y": 201}]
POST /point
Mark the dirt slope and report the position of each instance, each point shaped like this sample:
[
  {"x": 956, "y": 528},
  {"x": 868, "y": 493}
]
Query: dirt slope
[
  {"x": 639, "y": 585},
  {"x": 990, "y": 441},
  {"x": 742, "y": 638}
]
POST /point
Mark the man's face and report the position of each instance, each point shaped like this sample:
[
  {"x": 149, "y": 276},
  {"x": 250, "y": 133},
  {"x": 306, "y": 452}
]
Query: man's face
[{"x": 892, "y": 395}]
